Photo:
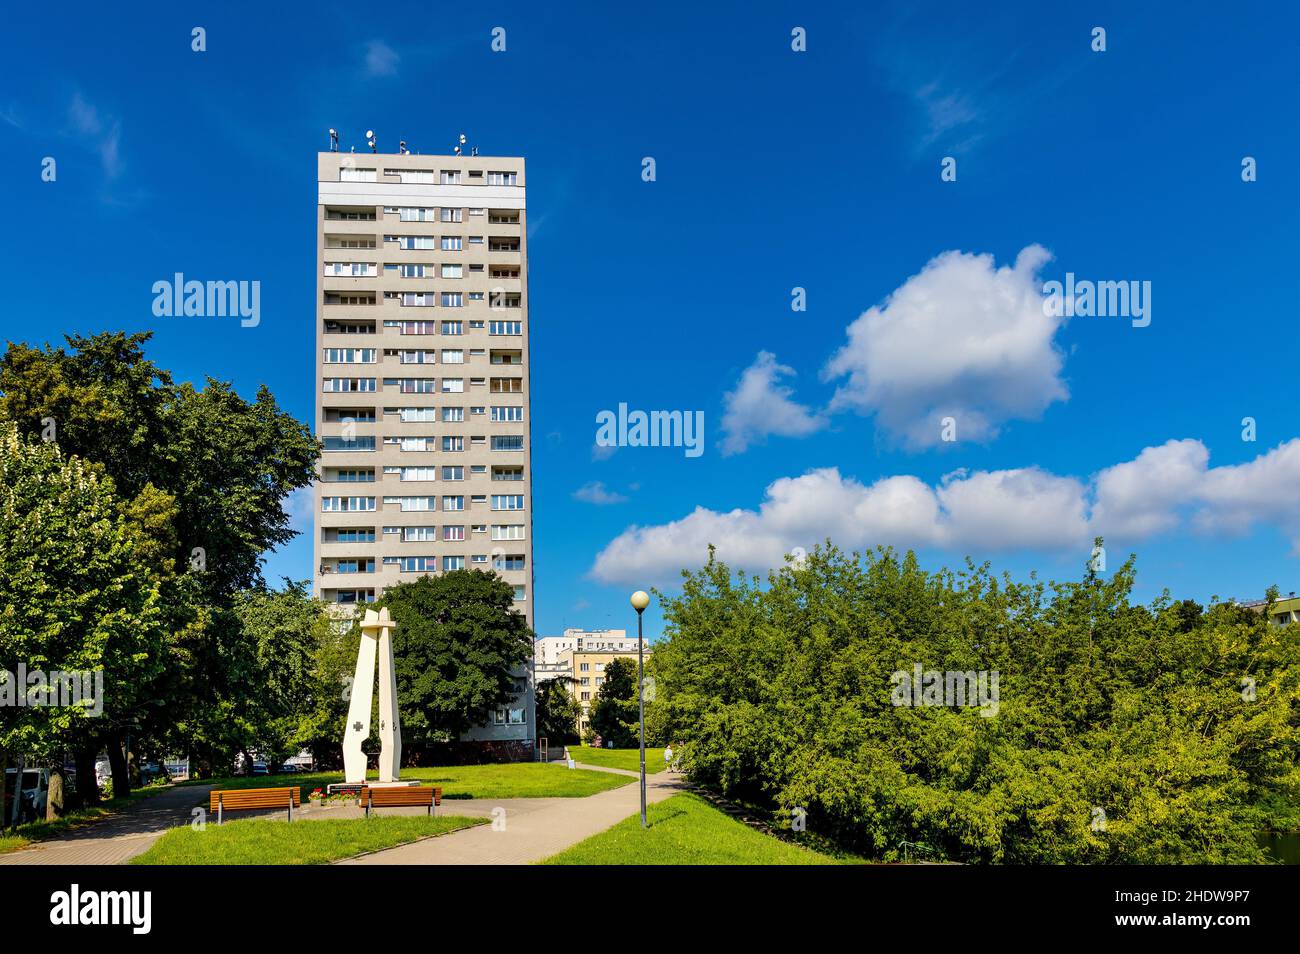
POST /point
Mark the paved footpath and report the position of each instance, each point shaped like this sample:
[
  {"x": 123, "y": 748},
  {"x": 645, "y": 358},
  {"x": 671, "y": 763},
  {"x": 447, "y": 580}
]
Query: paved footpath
[
  {"x": 535, "y": 828},
  {"x": 118, "y": 838}
]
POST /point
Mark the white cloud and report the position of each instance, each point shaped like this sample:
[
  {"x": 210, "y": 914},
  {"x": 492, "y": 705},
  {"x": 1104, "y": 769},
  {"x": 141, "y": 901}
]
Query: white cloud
[
  {"x": 961, "y": 339},
  {"x": 596, "y": 493},
  {"x": 760, "y": 405},
  {"x": 381, "y": 59},
  {"x": 104, "y": 133},
  {"x": 300, "y": 506},
  {"x": 974, "y": 513}
]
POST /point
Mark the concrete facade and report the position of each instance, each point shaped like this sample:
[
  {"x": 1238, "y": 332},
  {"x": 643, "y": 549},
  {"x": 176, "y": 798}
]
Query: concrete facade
[{"x": 422, "y": 383}]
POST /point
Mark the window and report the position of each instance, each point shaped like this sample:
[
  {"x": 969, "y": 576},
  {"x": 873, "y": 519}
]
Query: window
[
  {"x": 355, "y": 566},
  {"x": 418, "y": 357},
  {"x": 451, "y": 243},
  {"x": 453, "y": 215},
  {"x": 505, "y": 327},
  {"x": 583, "y": 667},
  {"x": 453, "y": 385},
  {"x": 347, "y": 504},
  {"x": 452, "y": 271},
  {"x": 453, "y": 563},
  {"x": 506, "y": 386},
  {"x": 414, "y": 271},
  {"x": 453, "y": 414},
  {"x": 453, "y": 327},
  {"x": 355, "y": 535},
  {"x": 453, "y": 357},
  {"x": 507, "y": 442},
  {"x": 415, "y": 215},
  {"x": 354, "y": 596},
  {"x": 514, "y": 561},
  {"x": 419, "y": 564},
  {"x": 515, "y": 716},
  {"x": 419, "y": 473},
  {"x": 586, "y": 696},
  {"x": 507, "y": 531},
  {"x": 414, "y": 327},
  {"x": 349, "y": 385},
  {"x": 349, "y": 355},
  {"x": 453, "y": 533},
  {"x": 507, "y": 501},
  {"x": 453, "y": 443},
  {"x": 351, "y": 269},
  {"x": 507, "y": 473},
  {"x": 349, "y": 444},
  {"x": 357, "y": 175},
  {"x": 453, "y": 503},
  {"x": 453, "y": 300},
  {"x": 411, "y": 175},
  {"x": 503, "y": 178},
  {"x": 413, "y": 504},
  {"x": 418, "y": 414},
  {"x": 507, "y": 413},
  {"x": 451, "y": 177},
  {"x": 415, "y": 242},
  {"x": 416, "y": 534},
  {"x": 417, "y": 299},
  {"x": 414, "y": 385},
  {"x": 453, "y": 473}
]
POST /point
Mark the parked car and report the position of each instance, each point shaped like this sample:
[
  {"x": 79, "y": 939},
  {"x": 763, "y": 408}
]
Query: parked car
[
  {"x": 35, "y": 790},
  {"x": 259, "y": 768}
]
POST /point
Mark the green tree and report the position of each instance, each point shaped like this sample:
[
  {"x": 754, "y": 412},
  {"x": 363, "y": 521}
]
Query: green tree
[
  {"x": 557, "y": 711},
  {"x": 75, "y": 596},
  {"x": 1121, "y": 733},
  {"x": 615, "y": 713},
  {"x": 458, "y": 649},
  {"x": 203, "y": 476},
  {"x": 283, "y": 632}
]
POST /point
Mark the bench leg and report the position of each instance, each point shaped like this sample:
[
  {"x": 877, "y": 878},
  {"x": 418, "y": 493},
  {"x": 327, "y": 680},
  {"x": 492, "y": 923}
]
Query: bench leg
[{"x": 218, "y": 809}]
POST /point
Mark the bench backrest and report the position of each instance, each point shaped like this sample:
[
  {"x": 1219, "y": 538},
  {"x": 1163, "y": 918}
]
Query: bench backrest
[
  {"x": 235, "y": 799},
  {"x": 401, "y": 796}
]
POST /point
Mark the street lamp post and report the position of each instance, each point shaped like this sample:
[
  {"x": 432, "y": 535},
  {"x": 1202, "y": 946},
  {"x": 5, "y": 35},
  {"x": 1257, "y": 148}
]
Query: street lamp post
[{"x": 640, "y": 600}]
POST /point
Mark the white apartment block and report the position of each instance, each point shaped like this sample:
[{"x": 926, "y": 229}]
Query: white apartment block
[
  {"x": 549, "y": 649},
  {"x": 422, "y": 380}
]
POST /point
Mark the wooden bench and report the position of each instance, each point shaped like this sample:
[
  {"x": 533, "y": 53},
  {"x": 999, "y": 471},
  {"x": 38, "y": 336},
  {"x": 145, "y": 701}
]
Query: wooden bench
[
  {"x": 246, "y": 799},
  {"x": 401, "y": 796}
]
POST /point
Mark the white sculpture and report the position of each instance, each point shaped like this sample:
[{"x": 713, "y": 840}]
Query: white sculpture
[{"x": 376, "y": 637}]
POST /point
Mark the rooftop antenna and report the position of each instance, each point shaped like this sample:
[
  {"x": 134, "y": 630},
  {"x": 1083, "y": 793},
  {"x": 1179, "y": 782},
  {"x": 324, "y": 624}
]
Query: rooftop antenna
[
  {"x": 334, "y": 139},
  {"x": 370, "y": 139},
  {"x": 401, "y": 147},
  {"x": 461, "y": 144}
]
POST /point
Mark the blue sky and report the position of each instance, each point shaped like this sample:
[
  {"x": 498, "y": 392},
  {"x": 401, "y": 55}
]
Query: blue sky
[{"x": 775, "y": 169}]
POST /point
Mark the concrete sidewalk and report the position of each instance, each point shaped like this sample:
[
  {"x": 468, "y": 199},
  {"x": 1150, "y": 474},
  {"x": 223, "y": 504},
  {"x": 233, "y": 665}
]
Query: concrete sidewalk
[
  {"x": 118, "y": 838},
  {"x": 534, "y": 828}
]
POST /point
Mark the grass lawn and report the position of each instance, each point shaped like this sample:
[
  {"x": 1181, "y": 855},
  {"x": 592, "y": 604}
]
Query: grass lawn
[
  {"x": 686, "y": 830},
  {"x": 41, "y": 830},
  {"x": 629, "y": 759},
  {"x": 505, "y": 780},
  {"x": 259, "y": 841}
]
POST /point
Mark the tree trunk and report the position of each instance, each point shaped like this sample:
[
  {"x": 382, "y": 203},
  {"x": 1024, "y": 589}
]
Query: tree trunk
[
  {"x": 17, "y": 814},
  {"x": 87, "y": 781},
  {"x": 54, "y": 797},
  {"x": 117, "y": 762},
  {"x": 4, "y": 781}
]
